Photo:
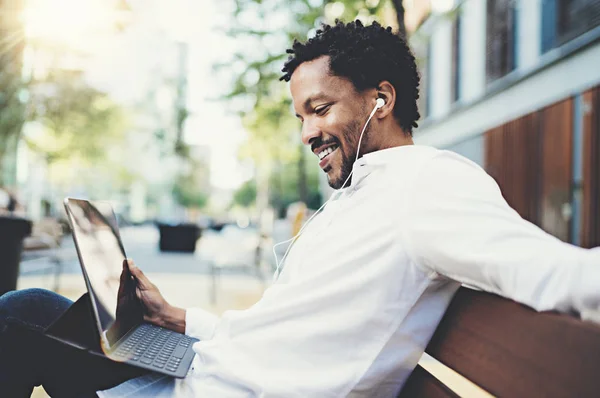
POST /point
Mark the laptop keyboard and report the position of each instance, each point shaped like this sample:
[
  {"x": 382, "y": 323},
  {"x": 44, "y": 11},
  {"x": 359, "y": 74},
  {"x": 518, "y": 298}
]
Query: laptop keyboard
[{"x": 155, "y": 346}]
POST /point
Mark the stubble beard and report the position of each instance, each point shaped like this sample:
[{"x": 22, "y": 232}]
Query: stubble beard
[{"x": 350, "y": 137}]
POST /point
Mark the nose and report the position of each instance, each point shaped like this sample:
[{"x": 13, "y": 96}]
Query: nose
[{"x": 310, "y": 132}]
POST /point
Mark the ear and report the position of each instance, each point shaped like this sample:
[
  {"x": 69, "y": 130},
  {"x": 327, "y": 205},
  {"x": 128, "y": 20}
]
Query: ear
[{"x": 388, "y": 93}]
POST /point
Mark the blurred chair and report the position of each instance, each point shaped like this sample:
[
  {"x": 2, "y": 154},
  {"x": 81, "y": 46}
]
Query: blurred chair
[
  {"x": 42, "y": 250},
  {"x": 233, "y": 249}
]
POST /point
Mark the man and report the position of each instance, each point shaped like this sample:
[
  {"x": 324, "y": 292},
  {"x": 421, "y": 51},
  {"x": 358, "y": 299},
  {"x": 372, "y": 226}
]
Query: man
[{"x": 367, "y": 281}]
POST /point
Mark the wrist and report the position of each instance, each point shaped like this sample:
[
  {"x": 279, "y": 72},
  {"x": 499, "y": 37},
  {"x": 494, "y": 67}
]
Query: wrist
[{"x": 173, "y": 318}]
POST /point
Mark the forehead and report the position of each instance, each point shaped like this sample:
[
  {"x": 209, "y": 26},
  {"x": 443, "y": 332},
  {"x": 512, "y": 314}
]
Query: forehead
[{"x": 313, "y": 78}]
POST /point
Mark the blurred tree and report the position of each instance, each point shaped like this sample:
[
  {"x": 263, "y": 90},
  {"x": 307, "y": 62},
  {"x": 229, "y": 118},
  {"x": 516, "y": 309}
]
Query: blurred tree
[
  {"x": 264, "y": 29},
  {"x": 400, "y": 12},
  {"x": 78, "y": 121},
  {"x": 284, "y": 187},
  {"x": 11, "y": 121},
  {"x": 13, "y": 89},
  {"x": 245, "y": 196},
  {"x": 188, "y": 189},
  {"x": 181, "y": 111},
  {"x": 11, "y": 86},
  {"x": 187, "y": 195}
]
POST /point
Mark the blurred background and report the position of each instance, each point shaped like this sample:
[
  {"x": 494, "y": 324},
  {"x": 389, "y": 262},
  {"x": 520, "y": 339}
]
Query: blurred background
[{"x": 173, "y": 112}]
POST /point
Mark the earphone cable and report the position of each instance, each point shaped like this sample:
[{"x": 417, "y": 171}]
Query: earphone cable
[{"x": 278, "y": 264}]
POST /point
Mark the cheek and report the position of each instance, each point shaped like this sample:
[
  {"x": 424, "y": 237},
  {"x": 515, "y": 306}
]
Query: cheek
[
  {"x": 336, "y": 125},
  {"x": 331, "y": 125}
]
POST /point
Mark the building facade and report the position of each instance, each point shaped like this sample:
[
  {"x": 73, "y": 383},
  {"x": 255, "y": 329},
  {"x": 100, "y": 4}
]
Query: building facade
[{"x": 514, "y": 85}]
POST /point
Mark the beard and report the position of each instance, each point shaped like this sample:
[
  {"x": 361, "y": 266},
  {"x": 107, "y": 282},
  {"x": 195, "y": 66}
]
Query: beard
[{"x": 350, "y": 137}]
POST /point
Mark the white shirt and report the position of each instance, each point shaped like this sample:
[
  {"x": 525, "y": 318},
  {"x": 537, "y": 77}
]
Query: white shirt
[{"x": 366, "y": 284}]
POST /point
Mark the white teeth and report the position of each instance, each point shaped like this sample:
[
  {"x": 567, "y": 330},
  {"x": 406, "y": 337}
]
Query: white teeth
[{"x": 326, "y": 152}]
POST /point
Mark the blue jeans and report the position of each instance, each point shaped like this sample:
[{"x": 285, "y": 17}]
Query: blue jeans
[{"x": 28, "y": 358}]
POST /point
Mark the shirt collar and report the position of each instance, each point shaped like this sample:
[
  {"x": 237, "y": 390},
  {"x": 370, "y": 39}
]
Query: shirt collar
[
  {"x": 384, "y": 156},
  {"x": 370, "y": 161}
]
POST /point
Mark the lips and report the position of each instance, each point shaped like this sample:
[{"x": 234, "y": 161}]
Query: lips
[
  {"x": 325, "y": 155},
  {"x": 325, "y": 152}
]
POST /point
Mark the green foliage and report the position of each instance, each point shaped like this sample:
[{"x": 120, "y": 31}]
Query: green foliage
[
  {"x": 78, "y": 120},
  {"x": 271, "y": 126},
  {"x": 12, "y": 110},
  {"x": 268, "y": 116},
  {"x": 182, "y": 149},
  {"x": 261, "y": 59},
  {"x": 245, "y": 196},
  {"x": 285, "y": 186},
  {"x": 188, "y": 189},
  {"x": 187, "y": 195}
]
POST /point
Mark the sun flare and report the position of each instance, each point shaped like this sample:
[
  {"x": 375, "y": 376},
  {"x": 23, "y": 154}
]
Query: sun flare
[{"x": 69, "y": 22}]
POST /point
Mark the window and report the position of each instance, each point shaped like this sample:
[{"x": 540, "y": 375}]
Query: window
[
  {"x": 564, "y": 20},
  {"x": 500, "y": 38},
  {"x": 456, "y": 60}
]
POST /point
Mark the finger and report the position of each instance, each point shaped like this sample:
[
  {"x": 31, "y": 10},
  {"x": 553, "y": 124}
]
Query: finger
[
  {"x": 123, "y": 272},
  {"x": 122, "y": 282},
  {"x": 143, "y": 282}
]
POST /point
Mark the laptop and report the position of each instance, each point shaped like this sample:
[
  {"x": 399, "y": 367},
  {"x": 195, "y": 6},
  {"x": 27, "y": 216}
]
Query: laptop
[{"x": 119, "y": 331}]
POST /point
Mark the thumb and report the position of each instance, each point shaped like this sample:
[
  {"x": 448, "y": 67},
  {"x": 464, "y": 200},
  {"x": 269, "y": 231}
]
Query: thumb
[
  {"x": 142, "y": 280},
  {"x": 123, "y": 276}
]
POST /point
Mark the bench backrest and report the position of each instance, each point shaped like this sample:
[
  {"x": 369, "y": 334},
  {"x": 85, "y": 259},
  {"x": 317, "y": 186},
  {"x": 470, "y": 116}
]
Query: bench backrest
[{"x": 509, "y": 350}]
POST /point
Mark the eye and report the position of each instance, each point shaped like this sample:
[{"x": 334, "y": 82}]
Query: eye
[{"x": 322, "y": 109}]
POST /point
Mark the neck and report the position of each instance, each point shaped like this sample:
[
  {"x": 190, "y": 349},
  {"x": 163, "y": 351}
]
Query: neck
[{"x": 393, "y": 136}]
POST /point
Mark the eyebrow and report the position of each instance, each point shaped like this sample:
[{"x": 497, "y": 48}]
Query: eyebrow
[{"x": 312, "y": 99}]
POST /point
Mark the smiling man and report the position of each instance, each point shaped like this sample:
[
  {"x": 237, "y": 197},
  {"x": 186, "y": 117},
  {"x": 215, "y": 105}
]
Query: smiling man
[
  {"x": 335, "y": 89},
  {"x": 366, "y": 282}
]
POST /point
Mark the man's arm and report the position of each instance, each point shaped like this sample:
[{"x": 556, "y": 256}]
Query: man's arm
[
  {"x": 173, "y": 318},
  {"x": 460, "y": 226},
  {"x": 200, "y": 323},
  {"x": 194, "y": 322}
]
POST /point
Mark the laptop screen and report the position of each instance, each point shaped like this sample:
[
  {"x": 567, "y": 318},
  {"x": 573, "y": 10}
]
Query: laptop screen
[{"x": 111, "y": 286}]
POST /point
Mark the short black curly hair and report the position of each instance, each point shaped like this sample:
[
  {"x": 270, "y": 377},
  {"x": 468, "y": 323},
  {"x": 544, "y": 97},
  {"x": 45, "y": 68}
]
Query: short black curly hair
[{"x": 366, "y": 55}]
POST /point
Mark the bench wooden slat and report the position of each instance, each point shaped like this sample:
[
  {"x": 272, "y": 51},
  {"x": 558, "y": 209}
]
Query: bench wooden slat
[
  {"x": 422, "y": 384},
  {"x": 510, "y": 350}
]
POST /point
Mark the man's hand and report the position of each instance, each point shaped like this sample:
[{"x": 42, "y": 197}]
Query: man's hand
[{"x": 156, "y": 309}]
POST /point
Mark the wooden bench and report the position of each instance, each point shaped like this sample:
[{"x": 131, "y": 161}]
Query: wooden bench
[{"x": 509, "y": 350}]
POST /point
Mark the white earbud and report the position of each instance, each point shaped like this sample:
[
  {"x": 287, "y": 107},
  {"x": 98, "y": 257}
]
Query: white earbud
[{"x": 380, "y": 103}]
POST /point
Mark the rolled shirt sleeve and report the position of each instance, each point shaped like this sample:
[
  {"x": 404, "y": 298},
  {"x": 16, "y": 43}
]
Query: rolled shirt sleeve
[
  {"x": 200, "y": 323},
  {"x": 460, "y": 226}
]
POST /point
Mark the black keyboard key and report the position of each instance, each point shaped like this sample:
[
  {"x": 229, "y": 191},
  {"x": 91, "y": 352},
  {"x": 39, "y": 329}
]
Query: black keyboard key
[{"x": 151, "y": 344}]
